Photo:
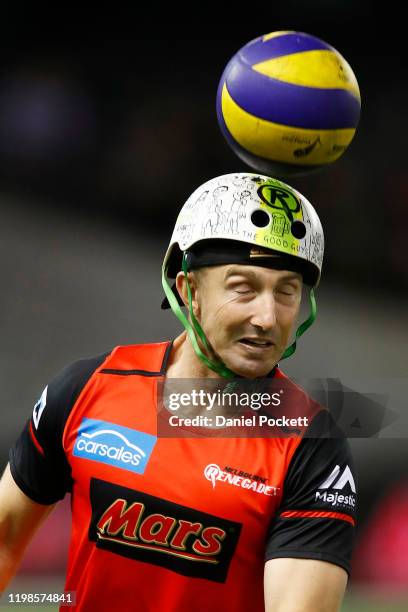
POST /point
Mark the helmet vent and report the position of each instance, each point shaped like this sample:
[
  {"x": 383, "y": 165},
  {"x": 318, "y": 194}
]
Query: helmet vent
[
  {"x": 298, "y": 229},
  {"x": 260, "y": 218}
]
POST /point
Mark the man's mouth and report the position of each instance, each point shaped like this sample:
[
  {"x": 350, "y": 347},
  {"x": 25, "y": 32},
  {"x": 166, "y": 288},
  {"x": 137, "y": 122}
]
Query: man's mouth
[{"x": 256, "y": 342}]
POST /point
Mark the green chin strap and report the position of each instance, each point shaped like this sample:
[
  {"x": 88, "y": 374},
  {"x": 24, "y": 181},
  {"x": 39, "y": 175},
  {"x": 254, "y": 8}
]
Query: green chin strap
[
  {"x": 303, "y": 326},
  {"x": 194, "y": 329}
]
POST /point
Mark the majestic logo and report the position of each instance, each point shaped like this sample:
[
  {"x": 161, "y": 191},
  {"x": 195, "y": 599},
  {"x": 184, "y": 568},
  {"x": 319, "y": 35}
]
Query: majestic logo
[
  {"x": 214, "y": 473},
  {"x": 39, "y": 407},
  {"x": 157, "y": 531},
  {"x": 114, "y": 445},
  {"x": 346, "y": 477},
  {"x": 337, "y": 482}
]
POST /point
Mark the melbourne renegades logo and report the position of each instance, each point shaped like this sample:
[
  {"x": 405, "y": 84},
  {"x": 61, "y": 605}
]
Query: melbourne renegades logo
[{"x": 147, "y": 528}]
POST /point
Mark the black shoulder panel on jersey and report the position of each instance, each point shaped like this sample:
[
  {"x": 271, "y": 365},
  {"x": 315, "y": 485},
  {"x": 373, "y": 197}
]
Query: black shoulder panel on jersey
[
  {"x": 37, "y": 459},
  {"x": 317, "y": 514}
]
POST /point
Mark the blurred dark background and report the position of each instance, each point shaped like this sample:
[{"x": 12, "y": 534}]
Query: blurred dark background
[
  {"x": 101, "y": 142},
  {"x": 109, "y": 125}
]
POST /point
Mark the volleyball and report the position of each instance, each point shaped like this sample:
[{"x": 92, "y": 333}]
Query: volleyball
[{"x": 288, "y": 103}]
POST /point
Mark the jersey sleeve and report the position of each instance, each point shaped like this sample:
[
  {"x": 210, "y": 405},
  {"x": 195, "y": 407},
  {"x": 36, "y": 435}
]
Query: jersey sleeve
[
  {"x": 316, "y": 518},
  {"x": 37, "y": 459}
]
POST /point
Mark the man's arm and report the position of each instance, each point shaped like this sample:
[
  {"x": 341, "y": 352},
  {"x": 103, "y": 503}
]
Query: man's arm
[
  {"x": 303, "y": 585},
  {"x": 310, "y": 538},
  {"x": 19, "y": 519},
  {"x": 39, "y": 474}
]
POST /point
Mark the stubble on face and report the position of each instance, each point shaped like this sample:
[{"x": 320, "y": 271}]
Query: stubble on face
[{"x": 234, "y": 307}]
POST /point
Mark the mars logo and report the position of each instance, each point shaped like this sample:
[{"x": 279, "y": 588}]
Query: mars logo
[
  {"x": 150, "y": 529},
  {"x": 337, "y": 482}
]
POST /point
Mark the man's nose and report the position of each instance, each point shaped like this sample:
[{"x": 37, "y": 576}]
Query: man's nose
[{"x": 264, "y": 314}]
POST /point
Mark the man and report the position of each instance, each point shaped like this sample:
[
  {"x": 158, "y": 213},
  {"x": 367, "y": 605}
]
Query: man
[{"x": 205, "y": 521}]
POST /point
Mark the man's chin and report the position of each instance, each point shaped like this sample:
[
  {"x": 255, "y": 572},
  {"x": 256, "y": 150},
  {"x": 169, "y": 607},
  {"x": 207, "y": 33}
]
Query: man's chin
[
  {"x": 251, "y": 373},
  {"x": 249, "y": 368}
]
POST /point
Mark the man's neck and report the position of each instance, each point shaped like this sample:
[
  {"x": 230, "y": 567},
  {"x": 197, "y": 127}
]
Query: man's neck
[{"x": 184, "y": 363}]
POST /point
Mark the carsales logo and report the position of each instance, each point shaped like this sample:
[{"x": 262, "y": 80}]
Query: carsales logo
[
  {"x": 114, "y": 445},
  {"x": 215, "y": 474}
]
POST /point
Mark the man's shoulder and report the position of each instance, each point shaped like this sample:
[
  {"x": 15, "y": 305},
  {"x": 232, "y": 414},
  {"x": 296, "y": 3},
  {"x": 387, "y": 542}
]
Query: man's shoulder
[
  {"x": 309, "y": 398},
  {"x": 64, "y": 389},
  {"x": 297, "y": 396},
  {"x": 149, "y": 357},
  {"x": 145, "y": 358}
]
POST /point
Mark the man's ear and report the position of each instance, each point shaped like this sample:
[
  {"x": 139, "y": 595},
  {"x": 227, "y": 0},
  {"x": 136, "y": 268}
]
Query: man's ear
[{"x": 181, "y": 285}]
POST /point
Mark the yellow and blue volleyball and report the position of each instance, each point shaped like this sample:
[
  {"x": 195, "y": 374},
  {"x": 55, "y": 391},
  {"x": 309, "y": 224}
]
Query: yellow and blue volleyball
[{"x": 288, "y": 103}]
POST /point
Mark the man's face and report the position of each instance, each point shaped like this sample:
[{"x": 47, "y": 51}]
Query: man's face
[{"x": 247, "y": 314}]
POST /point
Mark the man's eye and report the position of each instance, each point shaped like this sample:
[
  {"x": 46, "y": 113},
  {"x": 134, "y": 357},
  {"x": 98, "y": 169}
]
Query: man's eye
[
  {"x": 287, "y": 290},
  {"x": 242, "y": 289}
]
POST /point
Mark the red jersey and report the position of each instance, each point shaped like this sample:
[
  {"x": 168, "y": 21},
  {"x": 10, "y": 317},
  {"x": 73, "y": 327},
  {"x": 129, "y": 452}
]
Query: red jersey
[{"x": 177, "y": 523}]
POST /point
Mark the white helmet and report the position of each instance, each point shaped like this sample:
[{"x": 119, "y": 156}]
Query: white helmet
[{"x": 255, "y": 210}]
